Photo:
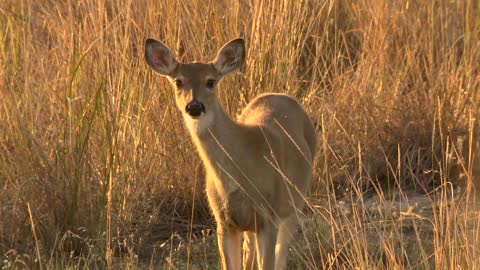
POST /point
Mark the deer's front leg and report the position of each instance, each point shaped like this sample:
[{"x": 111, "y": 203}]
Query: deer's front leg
[
  {"x": 249, "y": 251},
  {"x": 229, "y": 241}
]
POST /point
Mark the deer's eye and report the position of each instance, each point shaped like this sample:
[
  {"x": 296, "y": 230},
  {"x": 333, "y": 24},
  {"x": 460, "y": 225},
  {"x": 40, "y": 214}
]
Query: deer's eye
[
  {"x": 210, "y": 83},
  {"x": 178, "y": 83}
]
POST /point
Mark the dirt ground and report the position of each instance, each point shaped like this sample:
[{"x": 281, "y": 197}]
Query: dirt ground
[{"x": 401, "y": 231}]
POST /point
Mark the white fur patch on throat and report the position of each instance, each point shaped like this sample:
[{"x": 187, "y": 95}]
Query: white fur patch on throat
[{"x": 199, "y": 125}]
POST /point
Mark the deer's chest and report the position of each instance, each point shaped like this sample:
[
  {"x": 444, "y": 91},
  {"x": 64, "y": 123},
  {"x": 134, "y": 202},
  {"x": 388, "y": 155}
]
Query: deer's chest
[{"x": 235, "y": 209}]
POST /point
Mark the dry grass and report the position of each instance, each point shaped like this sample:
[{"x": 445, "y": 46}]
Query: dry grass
[{"x": 96, "y": 168}]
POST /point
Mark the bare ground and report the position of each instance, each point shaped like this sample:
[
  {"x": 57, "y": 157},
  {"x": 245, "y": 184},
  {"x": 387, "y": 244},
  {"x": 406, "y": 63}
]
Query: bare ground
[{"x": 399, "y": 229}]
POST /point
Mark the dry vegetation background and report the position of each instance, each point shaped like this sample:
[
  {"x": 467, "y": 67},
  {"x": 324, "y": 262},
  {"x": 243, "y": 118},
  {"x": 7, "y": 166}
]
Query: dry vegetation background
[{"x": 96, "y": 168}]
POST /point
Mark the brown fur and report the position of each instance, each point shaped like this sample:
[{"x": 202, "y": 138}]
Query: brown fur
[{"x": 258, "y": 168}]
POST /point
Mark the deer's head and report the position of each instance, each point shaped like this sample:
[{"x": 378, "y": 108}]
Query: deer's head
[{"x": 195, "y": 83}]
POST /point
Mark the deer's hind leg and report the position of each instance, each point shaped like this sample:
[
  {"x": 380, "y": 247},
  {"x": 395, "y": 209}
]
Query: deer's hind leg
[
  {"x": 286, "y": 230},
  {"x": 266, "y": 239}
]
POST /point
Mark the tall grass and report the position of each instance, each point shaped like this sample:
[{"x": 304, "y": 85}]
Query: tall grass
[{"x": 97, "y": 169}]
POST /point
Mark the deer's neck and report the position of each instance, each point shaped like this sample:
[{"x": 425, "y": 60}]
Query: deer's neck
[{"x": 220, "y": 141}]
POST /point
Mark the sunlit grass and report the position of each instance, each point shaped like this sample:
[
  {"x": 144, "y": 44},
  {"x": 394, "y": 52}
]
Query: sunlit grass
[{"x": 97, "y": 169}]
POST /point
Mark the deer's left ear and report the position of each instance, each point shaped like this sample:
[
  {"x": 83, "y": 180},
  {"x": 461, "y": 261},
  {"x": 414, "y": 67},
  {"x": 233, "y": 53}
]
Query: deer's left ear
[{"x": 230, "y": 57}]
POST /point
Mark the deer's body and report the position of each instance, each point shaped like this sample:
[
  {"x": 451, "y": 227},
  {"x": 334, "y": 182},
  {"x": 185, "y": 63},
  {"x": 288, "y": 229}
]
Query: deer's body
[{"x": 258, "y": 167}]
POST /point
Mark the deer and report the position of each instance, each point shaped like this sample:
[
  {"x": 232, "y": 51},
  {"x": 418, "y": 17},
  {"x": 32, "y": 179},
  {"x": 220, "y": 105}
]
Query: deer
[{"x": 258, "y": 168}]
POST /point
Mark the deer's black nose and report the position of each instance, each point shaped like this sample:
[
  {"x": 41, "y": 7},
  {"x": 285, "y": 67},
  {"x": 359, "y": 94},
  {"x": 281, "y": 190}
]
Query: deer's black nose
[{"x": 195, "y": 108}]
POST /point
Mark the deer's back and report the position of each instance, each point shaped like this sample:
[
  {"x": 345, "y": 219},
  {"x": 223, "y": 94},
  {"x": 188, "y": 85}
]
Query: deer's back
[{"x": 283, "y": 116}]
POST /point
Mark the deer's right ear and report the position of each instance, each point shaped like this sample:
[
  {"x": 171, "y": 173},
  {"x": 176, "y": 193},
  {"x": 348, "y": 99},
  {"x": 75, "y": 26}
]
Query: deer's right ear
[{"x": 159, "y": 57}]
